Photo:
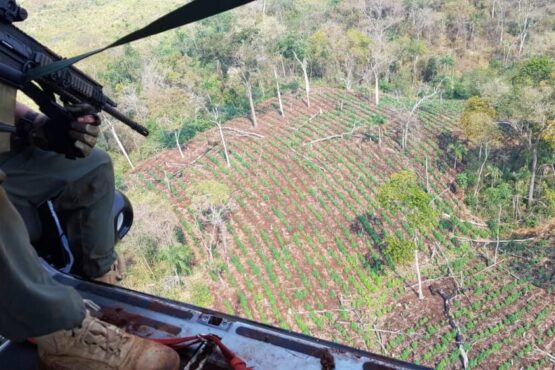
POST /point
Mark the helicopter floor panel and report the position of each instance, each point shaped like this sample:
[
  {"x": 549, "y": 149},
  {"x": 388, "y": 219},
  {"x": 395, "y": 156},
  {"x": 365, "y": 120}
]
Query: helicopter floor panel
[{"x": 259, "y": 345}]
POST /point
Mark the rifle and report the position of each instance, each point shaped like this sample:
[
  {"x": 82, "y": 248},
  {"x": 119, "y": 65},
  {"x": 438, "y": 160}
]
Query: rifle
[
  {"x": 45, "y": 77},
  {"x": 19, "y": 53}
]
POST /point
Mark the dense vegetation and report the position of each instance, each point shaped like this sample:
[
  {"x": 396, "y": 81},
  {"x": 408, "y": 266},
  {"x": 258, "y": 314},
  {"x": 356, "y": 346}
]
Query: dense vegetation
[{"x": 387, "y": 143}]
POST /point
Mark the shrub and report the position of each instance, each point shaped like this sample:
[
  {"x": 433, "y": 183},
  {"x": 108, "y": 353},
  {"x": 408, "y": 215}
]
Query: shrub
[
  {"x": 400, "y": 251},
  {"x": 201, "y": 294},
  {"x": 462, "y": 180},
  {"x": 180, "y": 257}
]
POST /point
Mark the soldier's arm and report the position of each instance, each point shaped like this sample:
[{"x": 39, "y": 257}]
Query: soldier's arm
[
  {"x": 24, "y": 112},
  {"x": 83, "y": 131}
]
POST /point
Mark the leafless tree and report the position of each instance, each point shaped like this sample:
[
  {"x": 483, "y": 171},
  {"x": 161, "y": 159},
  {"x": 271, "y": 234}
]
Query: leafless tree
[
  {"x": 525, "y": 9},
  {"x": 217, "y": 121},
  {"x": 381, "y": 17},
  {"x": 304, "y": 67},
  {"x": 278, "y": 92},
  {"x": 417, "y": 266},
  {"x": 412, "y": 116},
  {"x": 212, "y": 218},
  {"x": 421, "y": 18},
  {"x": 246, "y": 78},
  {"x": 110, "y": 124}
]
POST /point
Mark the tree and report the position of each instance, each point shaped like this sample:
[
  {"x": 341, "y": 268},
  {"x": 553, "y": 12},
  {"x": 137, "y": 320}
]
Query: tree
[
  {"x": 402, "y": 194},
  {"x": 378, "y": 120},
  {"x": 497, "y": 197},
  {"x": 171, "y": 107},
  {"x": 217, "y": 121},
  {"x": 278, "y": 91},
  {"x": 381, "y": 17},
  {"x": 525, "y": 16},
  {"x": 458, "y": 150},
  {"x": 295, "y": 47},
  {"x": 211, "y": 201},
  {"x": 304, "y": 67},
  {"x": 411, "y": 116},
  {"x": 459, "y": 22},
  {"x": 480, "y": 128},
  {"x": 421, "y": 18},
  {"x": 415, "y": 49},
  {"x": 529, "y": 110},
  {"x": 270, "y": 32},
  {"x": 248, "y": 58},
  {"x": 351, "y": 52}
]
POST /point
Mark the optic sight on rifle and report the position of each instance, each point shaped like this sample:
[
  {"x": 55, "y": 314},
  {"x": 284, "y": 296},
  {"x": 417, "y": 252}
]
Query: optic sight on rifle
[{"x": 19, "y": 53}]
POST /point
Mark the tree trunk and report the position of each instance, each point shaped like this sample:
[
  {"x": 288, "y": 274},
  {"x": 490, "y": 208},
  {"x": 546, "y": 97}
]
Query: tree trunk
[
  {"x": 376, "y": 88},
  {"x": 533, "y": 177},
  {"x": 304, "y": 67},
  {"x": 223, "y": 231},
  {"x": 412, "y": 114},
  {"x": 279, "y": 94},
  {"x": 306, "y": 82},
  {"x": 251, "y": 103},
  {"x": 405, "y": 137},
  {"x": 481, "y": 170},
  {"x": 497, "y": 239},
  {"x": 176, "y": 134},
  {"x": 414, "y": 65},
  {"x": 121, "y": 147},
  {"x": 417, "y": 265},
  {"x": 349, "y": 65},
  {"x": 167, "y": 181},
  {"x": 224, "y": 145},
  {"x": 427, "y": 177},
  {"x": 522, "y": 36}
]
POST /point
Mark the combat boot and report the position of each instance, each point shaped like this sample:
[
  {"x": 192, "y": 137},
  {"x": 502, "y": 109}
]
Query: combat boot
[
  {"x": 97, "y": 345},
  {"x": 116, "y": 273}
]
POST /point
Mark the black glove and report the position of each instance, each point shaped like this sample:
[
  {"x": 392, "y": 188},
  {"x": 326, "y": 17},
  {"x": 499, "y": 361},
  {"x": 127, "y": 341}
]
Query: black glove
[
  {"x": 84, "y": 130},
  {"x": 75, "y": 138}
]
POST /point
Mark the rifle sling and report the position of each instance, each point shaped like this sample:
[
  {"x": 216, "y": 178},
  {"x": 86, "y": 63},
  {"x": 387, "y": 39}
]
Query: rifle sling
[{"x": 189, "y": 13}]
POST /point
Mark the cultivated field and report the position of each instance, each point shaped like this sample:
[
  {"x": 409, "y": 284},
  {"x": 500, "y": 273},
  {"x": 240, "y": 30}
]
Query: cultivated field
[{"x": 302, "y": 248}]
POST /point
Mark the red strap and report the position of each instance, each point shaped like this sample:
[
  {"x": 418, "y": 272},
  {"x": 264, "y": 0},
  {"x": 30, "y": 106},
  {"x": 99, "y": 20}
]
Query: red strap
[{"x": 234, "y": 361}]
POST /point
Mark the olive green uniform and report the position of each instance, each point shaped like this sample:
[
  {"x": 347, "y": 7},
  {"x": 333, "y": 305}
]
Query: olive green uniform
[
  {"x": 82, "y": 191},
  {"x": 32, "y": 303}
]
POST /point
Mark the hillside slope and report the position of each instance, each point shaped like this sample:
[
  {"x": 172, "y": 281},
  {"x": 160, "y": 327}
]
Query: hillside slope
[{"x": 302, "y": 246}]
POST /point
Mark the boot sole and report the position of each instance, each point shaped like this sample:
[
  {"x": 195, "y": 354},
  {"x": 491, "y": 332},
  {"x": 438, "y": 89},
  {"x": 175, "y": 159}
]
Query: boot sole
[{"x": 43, "y": 366}]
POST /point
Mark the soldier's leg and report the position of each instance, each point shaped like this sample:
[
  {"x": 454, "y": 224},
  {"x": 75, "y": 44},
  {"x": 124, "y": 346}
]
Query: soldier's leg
[
  {"x": 83, "y": 190},
  {"x": 32, "y": 303}
]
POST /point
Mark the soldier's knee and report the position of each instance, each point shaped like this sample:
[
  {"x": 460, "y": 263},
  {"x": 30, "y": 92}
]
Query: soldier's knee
[
  {"x": 100, "y": 157},
  {"x": 102, "y": 165}
]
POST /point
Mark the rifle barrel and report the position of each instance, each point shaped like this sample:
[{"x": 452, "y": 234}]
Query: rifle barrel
[{"x": 126, "y": 120}]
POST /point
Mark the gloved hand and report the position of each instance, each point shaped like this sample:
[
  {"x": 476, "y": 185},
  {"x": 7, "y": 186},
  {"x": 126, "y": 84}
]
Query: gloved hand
[
  {"x": 85, "y": 128},
  {"x": 76, "y": 138}
]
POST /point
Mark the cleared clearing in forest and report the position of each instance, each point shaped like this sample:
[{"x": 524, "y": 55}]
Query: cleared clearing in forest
[{"x": 305, "y": 234}]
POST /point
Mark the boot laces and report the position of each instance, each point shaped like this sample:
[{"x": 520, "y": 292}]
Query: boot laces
[{"x": 98, "y": 335}]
